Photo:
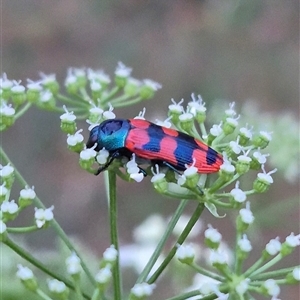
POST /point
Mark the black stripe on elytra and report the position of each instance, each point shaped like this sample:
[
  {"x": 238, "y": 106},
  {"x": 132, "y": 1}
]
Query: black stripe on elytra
[
  {"x": 211, "y": 156},
  {"x": 183, "y": 154},
  {"x": 155, "y": 134}
]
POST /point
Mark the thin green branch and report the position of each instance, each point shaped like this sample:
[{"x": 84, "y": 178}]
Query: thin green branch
[
  {"x": 144, "y": 274},
  {"x": 195, "y": 217},
  {"x": 113, "y": 215},
  {"x": 28, "y": 257},
  {"x": 38, "y": 203}
]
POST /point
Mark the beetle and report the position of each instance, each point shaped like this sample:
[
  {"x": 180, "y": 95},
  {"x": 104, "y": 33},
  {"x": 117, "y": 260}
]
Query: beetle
[{"x": 160, "y": 145}]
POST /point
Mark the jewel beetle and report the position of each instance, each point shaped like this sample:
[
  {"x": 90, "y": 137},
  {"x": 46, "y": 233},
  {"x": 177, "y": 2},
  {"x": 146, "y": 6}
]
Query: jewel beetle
[{"x": 158, "y": 144}]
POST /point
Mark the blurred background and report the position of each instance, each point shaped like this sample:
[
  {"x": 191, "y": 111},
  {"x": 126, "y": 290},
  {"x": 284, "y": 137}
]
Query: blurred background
[{"x": 242, "y": 51}]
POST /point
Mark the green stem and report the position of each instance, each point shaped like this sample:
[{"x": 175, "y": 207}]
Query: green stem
[
  {"x": 27, "y": 256},
  {"x": 126, "y": 103},
  {"x": 109, "y": 95},
  {"x": 255, "y": 266},
  {"x": 22, "y": 110},
  {"x": 273, "y": 274},
  {"x": 268, "y": 265},
  {"x": 144, "y": 274},
  {"x": 238, "y": 259},
  {"x": 42, "y": 294},
  {"x": 38, "y": 203},
  {"x": 112, "y": 178},
  {"x": 195, "y": 217},
  {"x": 207, "y": 273},
  {"x": 22, "y": 229}
]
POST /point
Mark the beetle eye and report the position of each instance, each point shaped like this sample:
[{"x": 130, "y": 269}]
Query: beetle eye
[{"x": 111, "y": 127}]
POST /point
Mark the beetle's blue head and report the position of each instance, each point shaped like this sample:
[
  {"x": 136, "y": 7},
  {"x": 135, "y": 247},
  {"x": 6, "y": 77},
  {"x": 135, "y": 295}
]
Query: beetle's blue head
[{"x": 110, "y": 134}]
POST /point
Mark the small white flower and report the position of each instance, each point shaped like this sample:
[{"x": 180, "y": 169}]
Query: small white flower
[
  {"x": 246, "y": 132},
  {"x": 67, "y": 116},
  {"x": 5, "y": 83},
  {"x": 46, "y": 96},
  {"x": 157, "y": 176},
  {"x": 7, "y": 110},
  {"x": 109, "y": 114},
  {"x": 43, "y": 215},
  {"x": 70, "y": 79},
  {"x": 56, "y": 286},
  {"x": 185, "y": 252},
  {"x": 266, "y": 135},
  {"x": 227, "y": 167},
  {"x": 134, "y": 170},
  {"x": 246, "y": 214},
  {"x": 186, "y": 117},
  {"x": 48, "y": 79},
  {"x": 3, "y": 190},
  {"x": 96, "y": 110},
  {"x": 272, "y": 287},
  {"x": 216, "y": 130},
  {"x": 261, "y": 158},
  {"x": 141, "y": 115},
  {"x": 122, "y": 70},
  {"x": 87, "y": 154},
  {"x": 77, "y": 138},
  {"x": 102, "y": 156},
  {"x": 143, "y": 289},
  {"x": 176, "y": 107},
  {"x": 6, "y": 170},
  {"x": 190, "y": 170},
  {"x": 34, "y": 85},
  {"x": 242, "y": 287},
  {"x": 213, "y": 234},
  {"x": 235, "y": 147},
  {"x": 237, "y": 194},
  {"x": 2, "y": 227},
  {"x": 95, "y": 86},
  {"x": 296, "y": 273},
  {"x": 110, "y": 254},
  {"x": 216, "y": 257},
  {"x": 274, "y": 246},
  {"x": 293, "y": 240},
  {"x": 166, "y": 123},
  {"x": 17, "y": 88},
  {"x": 230, "y": 112},
  {"x": 233, "y": 122},
  {"x": 9, "y": 207},
  {"x": 152, "y": 84},
  {"x": 24, "y": 273},
  {"x": 104, "y": 275},
  {"x": 197, "y": 105},
  {"x": 266, "y": 177},
  {"x": 73, "y": 264},
  {"x": 244, "y": 244},
  {"x": 28, "y": 193},
  {"x": 98, "y": 75}
]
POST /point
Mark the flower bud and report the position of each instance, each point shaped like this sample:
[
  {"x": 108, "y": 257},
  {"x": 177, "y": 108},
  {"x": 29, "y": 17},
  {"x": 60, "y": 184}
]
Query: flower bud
[
  {"x": 67, "y": 123},
  {"x": 186, "y": 121},
  {"x": 175, "y": 110},
  {"x": 33, "y": 91},
  {"x": 87, "y": 158},
  {"x": 132, "y": 87},
  {"x": 103, "y": 277},
  {"x": 9, "y": 210},
  {"x": 159, "y": 181},
  {"x": 212, "y": 237},
  {"x": 148, "y": 89},
  {"x": 95, "y": 114},
  {"x": 7, "y": 173},
  {"x": 7, "y": 115},
  {"x": 58, "y": 289},
  {"x": 18, "y": 94},
  {"x": 50, "y": 83},
  {"x": 122, "y": 74},
  {"x": 27, "y": 278},
  {"x": 26, "y": 197},
  {"x": 46, "y": 100},
  {"x": 197, "y": 108},
  {"x": 75, "y": 141},
  {"x": 245, "y": 135},
  {"x": 185, "y": 254},
  {"x": 229, "y": 125},
  {"x": 3, "y": 192},
  {"x": 262, "y": 140},
  {"x": 243, "y": 164},
  {"x": 263, "y": 181},
  {"x": 3, "y": 232}
]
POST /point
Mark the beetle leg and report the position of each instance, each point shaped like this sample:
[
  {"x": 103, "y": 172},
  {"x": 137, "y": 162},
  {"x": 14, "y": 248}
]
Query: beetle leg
[
  {"x": 116, "y": 154},
  {"x": 142, "y": 171},
  {"x": 171, "y": 167}
]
